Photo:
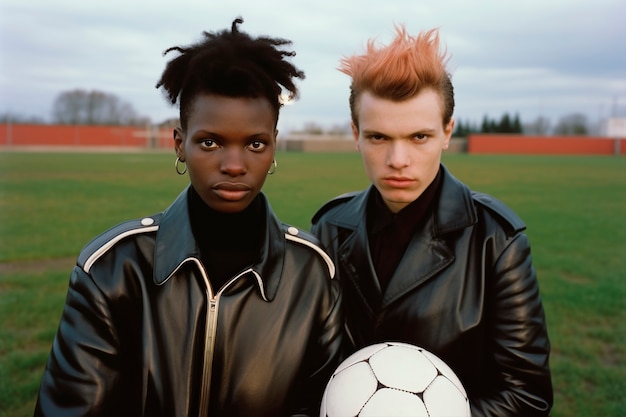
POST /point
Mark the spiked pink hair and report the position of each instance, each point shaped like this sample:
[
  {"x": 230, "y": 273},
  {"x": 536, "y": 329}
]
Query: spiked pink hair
[{"x": 401, "y": 70}]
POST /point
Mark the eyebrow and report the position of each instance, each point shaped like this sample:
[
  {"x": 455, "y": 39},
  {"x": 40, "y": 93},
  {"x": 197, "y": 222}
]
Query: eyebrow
[
  {"x": 427, "y": 131},
  {"x": 372, "y": 132},
  {"x": 203, "y": 132}
]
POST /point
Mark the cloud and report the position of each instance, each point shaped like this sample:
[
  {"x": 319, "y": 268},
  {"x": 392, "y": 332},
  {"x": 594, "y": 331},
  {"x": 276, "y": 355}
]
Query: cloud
[{"x": 533, "y": 57}]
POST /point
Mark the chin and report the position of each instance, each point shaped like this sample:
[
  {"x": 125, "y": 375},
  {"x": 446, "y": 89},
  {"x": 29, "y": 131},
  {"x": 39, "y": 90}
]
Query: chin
[
  {"x": 233, "y": 208},
  {"x": 400, "y": 197},
  {"x": 229, "y": 206}
]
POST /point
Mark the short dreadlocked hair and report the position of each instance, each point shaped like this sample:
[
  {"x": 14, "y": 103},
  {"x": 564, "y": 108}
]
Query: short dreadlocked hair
[
  {"x": 400, "y": 71},
  {"x": 229, "y": 63}
]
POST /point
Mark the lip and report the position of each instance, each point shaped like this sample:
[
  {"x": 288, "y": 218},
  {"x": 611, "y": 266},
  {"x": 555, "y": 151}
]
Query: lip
[
  {"x": 231, "y": 191},
  {"x": 398, "y": 182}
]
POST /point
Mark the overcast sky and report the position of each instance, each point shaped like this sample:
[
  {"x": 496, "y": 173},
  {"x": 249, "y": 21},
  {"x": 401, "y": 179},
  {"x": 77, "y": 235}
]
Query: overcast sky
[{"x": 532, "y": 57}]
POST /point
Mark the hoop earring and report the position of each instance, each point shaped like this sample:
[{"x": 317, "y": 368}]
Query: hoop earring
[
  {"x": 178, "y": 171},
  {"x": 273, "y": 167}
]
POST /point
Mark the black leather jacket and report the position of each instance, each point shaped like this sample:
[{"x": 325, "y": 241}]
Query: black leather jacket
[
  {"x": 465, "y": 289},
  {"x": 144, "y": 333}
]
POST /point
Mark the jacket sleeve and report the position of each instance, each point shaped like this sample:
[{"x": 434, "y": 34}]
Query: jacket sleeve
[
  {"x": 519, "y": 341},
  {"x": 83, "y": 372}
]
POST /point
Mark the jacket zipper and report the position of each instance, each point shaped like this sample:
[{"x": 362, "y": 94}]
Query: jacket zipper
[
  {"x": 209, "y": 340},
  {"x": 209, "y": 344}
]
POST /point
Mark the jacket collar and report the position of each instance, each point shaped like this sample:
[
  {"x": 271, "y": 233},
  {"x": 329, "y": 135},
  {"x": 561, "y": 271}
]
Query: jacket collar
[
  {"x": 453, "y": 210},
  {"x": 175, "y": 245}
]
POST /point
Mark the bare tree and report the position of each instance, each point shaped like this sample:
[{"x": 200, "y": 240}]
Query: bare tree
[
  {"x": 540, "y": 126},
  {"x": 83, "y": 107},
  {"x": 572, "y": 124},
  {"x": 9, "y": 117}
]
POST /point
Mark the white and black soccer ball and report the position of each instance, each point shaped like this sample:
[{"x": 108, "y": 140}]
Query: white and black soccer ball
[{"x": 394, "y": 379}]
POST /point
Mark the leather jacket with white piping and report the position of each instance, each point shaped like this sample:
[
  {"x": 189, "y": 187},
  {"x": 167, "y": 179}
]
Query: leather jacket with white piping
[{"x": 144, "y": 333}]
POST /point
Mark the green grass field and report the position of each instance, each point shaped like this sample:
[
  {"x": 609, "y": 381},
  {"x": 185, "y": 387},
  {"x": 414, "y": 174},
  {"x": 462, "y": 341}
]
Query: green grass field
[{"x": 51, "y": 204}]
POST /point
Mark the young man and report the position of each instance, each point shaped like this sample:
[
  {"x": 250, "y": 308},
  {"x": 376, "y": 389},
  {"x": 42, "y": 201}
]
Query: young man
[{"x": 423, "y": 259}]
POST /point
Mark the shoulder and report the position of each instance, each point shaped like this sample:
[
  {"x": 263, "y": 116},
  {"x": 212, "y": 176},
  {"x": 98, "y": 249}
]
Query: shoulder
[
  {"x": 334, "y": 204},
  {"x": 306, "y": 240},
  {"x": 104, "y": 242},
  {"x": 503, "y": 213}
]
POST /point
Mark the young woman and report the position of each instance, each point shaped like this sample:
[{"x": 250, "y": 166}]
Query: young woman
[{"x": 212, "y": 307}]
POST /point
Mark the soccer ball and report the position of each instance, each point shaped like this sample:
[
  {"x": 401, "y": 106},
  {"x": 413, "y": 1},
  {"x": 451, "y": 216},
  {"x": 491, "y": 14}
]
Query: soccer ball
[{"x": 394, "y": 379}]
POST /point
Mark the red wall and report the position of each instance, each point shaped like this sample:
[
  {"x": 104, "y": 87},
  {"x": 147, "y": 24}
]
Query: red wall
[
  {"x": 19, "y": 135},
  {"x": 545, "y": 145},
  {"x": 87, "y": 136}
]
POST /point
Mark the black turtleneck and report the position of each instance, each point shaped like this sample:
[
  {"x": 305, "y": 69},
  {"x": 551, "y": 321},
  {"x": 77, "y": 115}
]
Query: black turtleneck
[
  {"x": 228, "y": 242},
  {"x": 389, "y": 234}
]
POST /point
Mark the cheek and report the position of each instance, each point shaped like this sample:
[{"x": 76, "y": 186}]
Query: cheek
[
  {"x": 202, "y": 165},
  {"x": 374, "y": 155},
  {"x": 260, "y": 165},
  {"x": 197, "y": 161},
  {"x": 373, "y": 162}
]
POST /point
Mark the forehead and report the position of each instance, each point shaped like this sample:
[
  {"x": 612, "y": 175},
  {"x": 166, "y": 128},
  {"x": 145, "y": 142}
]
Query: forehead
[
  {"x": 211, "y": 111},
  {"x": 419, "y": 112}
]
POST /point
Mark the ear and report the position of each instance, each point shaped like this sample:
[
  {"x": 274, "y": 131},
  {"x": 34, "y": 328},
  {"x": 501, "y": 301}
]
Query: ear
[
  {"x": 355, "y": 134},
  {"x": 179, "y": 139},
  {"x": 448, "y": 133}
]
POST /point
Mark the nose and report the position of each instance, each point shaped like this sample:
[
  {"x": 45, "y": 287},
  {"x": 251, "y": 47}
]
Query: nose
[
  {"x": 233, "y": 162},
  {"x": 397, "y": 155}
]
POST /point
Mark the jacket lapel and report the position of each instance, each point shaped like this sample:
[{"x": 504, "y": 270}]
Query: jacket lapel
[
  {"x": 423, "y": 259},
  {"x": 270, "y": 266},
  {"x": 356, "y": 263},
  {"x": 353, "y": 255},
  {"x": 175, "y": 242},
  {"x": 426, "y": 255},
  {"x": 428, "y": 252}
]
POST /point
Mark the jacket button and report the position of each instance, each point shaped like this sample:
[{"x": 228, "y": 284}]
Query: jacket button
[
  {"x": 292, "y": 230},
  {"x": 147, "y": 221}
]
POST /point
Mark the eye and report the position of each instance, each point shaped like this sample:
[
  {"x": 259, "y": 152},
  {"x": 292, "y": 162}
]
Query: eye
[
  {"x": 257, "y": 145},
  {"x": 375, "y": 137},
  {"x": 420, "y": 137},
  {"x": 208, "y": 144}
]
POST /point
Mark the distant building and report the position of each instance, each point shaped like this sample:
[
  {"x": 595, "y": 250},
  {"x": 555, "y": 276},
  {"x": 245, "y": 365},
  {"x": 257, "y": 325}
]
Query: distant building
[{"x": 615, "y": 127}]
